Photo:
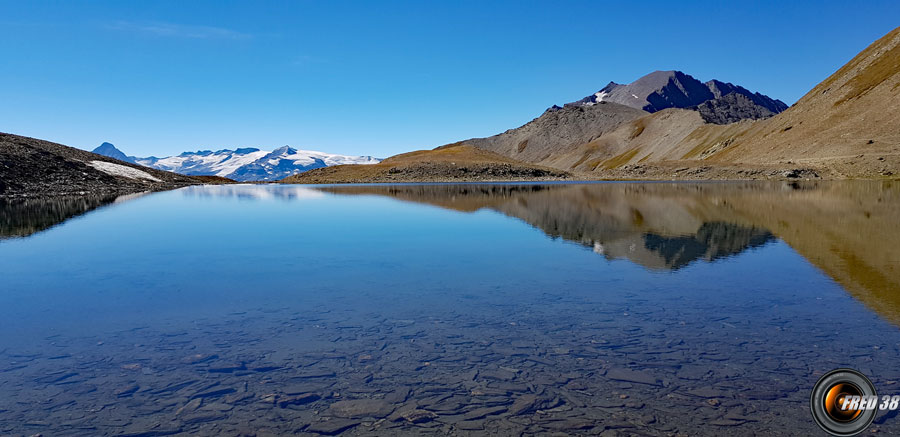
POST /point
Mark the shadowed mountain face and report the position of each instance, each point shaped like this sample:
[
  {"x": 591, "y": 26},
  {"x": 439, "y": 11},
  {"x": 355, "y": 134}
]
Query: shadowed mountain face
[
  {"x": 722, "y": 102},
  {"x": 839, "y": 227}
]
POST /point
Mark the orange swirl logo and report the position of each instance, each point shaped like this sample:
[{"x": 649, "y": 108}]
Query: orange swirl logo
[{"x": 844, "y": 402}]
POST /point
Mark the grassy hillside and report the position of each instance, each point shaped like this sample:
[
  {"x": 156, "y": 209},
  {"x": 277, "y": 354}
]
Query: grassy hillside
[{"x": 447, "y": 163}]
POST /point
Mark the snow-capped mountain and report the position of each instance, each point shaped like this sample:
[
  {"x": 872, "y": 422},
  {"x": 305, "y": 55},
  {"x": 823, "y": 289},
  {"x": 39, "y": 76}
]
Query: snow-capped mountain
[{"x": 244, "y": 164}]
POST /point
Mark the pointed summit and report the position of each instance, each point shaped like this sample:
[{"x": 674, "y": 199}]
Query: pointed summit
[
  {"x": 283, "y": 150},
  {"x": 654, "y": 92},
  {"x": 107, "y": 149},
  {"x": 673, "y": 89}
]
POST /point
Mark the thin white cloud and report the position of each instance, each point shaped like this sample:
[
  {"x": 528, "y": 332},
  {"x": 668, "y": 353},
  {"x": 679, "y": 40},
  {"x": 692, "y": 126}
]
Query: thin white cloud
[{"x": 178, "y": 30}]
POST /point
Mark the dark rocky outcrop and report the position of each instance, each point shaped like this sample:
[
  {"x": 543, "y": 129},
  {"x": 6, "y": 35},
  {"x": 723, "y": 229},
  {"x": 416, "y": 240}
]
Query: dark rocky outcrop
[
  {"x": 35, "y": 168},
  {"x": 717, "y": 100},
  {"x": 732, "y": 108}
]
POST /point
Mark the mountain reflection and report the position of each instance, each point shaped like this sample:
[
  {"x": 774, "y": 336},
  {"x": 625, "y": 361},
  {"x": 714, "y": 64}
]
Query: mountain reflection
[
  {"x": 714, "y": 240},
  {"x": 24, "y": 217},
  {"x": 602, "y": 217},
  {"x": 846, "y": 229},
  {"x": 251, "y": 191}
]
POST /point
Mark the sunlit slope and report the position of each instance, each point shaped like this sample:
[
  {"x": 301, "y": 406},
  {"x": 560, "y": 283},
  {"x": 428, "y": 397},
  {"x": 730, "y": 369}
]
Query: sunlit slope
[
  {"x": 848, "y": 126},
  {"x": 448, "y": 163}
]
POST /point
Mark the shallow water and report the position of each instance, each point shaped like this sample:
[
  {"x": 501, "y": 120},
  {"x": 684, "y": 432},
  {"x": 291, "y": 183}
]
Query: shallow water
[{"x": 504, "y": 309}]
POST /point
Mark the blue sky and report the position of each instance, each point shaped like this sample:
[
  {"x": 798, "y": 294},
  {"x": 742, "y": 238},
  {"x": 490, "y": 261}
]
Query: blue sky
[{"x": 380, "y": 78}]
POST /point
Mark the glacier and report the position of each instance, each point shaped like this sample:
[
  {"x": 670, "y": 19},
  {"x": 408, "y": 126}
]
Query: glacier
[{"x": 242, "y": 164}]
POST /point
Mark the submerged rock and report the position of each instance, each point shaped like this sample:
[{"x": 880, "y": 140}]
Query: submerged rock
[{"x": 357, "y": 408}]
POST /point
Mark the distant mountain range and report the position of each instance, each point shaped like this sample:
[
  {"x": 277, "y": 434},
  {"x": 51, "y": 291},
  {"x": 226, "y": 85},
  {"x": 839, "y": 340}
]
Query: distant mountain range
[
  {"x": 243, "y": 164},
  {"x": 32, "y": 168}
]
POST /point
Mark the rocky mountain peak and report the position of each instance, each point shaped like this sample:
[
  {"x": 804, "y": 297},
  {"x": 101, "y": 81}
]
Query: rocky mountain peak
[
  {"x": 108, "y": 149},
  {"x": 663, "y": 89},
  {"x": 284, "y": 150}
]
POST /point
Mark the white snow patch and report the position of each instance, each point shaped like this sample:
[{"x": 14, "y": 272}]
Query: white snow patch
[
  {"x": 309, "y": 156},
  {"x": 122, "y": 170},
  {"x": 219, "y": 164}
]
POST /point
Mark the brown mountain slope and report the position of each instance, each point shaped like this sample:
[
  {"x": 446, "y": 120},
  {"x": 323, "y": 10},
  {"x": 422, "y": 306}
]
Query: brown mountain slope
[
  {"x": 558, "y": 130},
  {"x": 846, "y": 123},
  {"x": 447, "y": 163},
  {"x": 30, "y": 167},
  {"x": 846, "y": 127}
]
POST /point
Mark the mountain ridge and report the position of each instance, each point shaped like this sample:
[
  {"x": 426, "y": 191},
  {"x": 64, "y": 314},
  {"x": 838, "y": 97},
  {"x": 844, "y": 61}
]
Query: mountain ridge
[
  {"x": 664, "y": 89},
  {"x": 30, "y": 167},
  {"x": 242, "y": 164}
]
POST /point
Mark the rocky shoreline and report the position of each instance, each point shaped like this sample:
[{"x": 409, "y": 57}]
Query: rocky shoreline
[{"x": 32, "y": 168}]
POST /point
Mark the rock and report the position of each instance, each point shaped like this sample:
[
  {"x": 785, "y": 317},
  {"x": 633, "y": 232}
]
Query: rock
[
  {"x": 499, "y": 374},
  {"x": 190, "y": 407},
  {"x": 299, "y": 389},
  {"x": 263, "y": 369},
  {"x": 157, "y": 431},
  {"x": 218, "y": 407},
  {"x": 540, "y": 360},
  {"x": 315, "y": 373},
  {"x": 298, "y": 399},
  {"x": 397, "y": 396},
  {"x": 468, "y": 425},
  {"x": 56, "y": 378},
  {"x": 418, "y": 416},
  {"x": 214, "y": 393},
  {"x": 202, "y": 417},
  {"x": 706, "y": 392},
  {"x": 480, "y": 413},
  {"x": 523, "y": 404},
  {"x": 175, "y": 387},
  {"x": 357, "y": 408},
  {"x": 198, "y": 358},
  {"x": 797, "y": 173},
  {"x": 573, "y": 424},
  {"x": 628, "y": 375},
  {"x": 236, "y": 398},
  {"x": 127, "y": 390},
  {"x": 230, "y": 368},
  {"x": 331, "y": 427}
]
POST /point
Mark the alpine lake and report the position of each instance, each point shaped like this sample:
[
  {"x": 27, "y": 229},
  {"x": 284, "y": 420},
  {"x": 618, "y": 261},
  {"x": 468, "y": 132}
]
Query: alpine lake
[{"x": 446, "y": 309}]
